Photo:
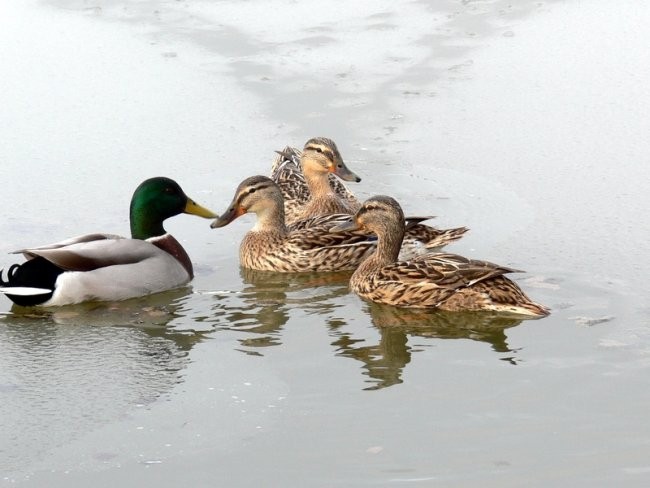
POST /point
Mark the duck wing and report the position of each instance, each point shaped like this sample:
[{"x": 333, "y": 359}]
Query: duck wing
[
  {"x": 29, "y": 253},
  {"x": 442, "y": 270},
  {"x": 87, "y": 254},
  {"x": 318, "y": 237},
  {"x": 327, "y": 221}
]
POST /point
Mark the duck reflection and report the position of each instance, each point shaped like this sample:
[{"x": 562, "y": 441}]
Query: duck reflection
[
  {"x": 67, "y": 371},
  {"x": 385, "y": 361},
  {"x": 266, "y": 300},
  {"x": 148, "y": 316},
  {"x": 105, "y": 334}
]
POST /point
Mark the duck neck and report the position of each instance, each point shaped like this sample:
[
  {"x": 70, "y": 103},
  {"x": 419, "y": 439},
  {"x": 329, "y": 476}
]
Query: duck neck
[
  {"x": 388, "y": 246},
  {"x": 270, "y": 218},
  {"x": 386, "y": 253},
  {"x": 144, "y": 225},
  {"x": 318, "y": 183}
]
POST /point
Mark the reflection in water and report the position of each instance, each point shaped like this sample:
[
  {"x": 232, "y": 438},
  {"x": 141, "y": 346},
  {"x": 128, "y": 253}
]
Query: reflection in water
[
  {"x": 385, "y": 361},
  {"x": 267, "y": 300},
  {"x": 67, "y": 371},
  {"x": 262, "y": 307}
]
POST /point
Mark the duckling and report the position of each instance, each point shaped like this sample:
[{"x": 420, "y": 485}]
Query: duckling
[
  {"x": 107, "y": 267},
  {"x": 435, "y": 280},
  {"x": 272, "y": 246},
  {"x": 311, "y": 190}
]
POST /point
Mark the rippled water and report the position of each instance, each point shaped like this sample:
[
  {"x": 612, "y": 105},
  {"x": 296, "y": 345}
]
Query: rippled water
[{"x": 525, "y": 121}]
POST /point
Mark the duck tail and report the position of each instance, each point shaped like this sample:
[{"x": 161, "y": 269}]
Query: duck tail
[
  {"x": 529, "y": 309},
  {"x": 287, "y": 156},
  {"x": 10, "y": 273},
  {"x": 30, "y": 283},
  {"x": 435, "y": 241}
]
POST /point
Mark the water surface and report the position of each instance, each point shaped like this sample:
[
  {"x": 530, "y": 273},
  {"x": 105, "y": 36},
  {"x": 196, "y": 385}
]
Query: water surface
[{"x": 525, "y": 122}]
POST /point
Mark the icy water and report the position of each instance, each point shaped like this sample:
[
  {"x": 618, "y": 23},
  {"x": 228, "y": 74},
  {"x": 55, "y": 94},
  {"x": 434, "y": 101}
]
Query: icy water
[{"x": 525, "y": 121}]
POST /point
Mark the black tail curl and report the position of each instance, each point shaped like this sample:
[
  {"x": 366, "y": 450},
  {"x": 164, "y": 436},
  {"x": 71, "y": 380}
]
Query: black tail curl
[
  {"x": 10, "y": 273},
  {"x": 35, "y": 273}
]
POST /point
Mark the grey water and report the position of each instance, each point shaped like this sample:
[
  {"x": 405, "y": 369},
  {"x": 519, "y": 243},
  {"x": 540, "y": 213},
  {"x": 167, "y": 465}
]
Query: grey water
[{"x": 525, "y": 121}]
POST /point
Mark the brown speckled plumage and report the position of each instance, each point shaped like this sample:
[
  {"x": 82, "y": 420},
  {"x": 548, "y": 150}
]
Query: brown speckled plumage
[
  {"x": 311, "y": 190},
  {"x": 272, "y": 246},
  {"x": 435, "y": 280},
  {"x": 308, "y": 182}
]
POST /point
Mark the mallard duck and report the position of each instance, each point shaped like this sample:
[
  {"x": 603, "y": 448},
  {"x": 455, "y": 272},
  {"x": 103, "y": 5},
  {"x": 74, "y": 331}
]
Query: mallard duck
[
  {"x": 307, "y": 180},
  {"x": 106, "y": 267},
  {"x": 311, "y": 190},
  {"x": 435, "y": 280},
  {"x": 272, "y": 246}
]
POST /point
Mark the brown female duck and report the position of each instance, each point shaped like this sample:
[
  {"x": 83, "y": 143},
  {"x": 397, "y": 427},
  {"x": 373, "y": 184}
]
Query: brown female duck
[
  {"x": 441, "y": 281},
  {"x": 307, "y": 180},
  {"x": 272, "y": 246},
  {"x": 311, "y": 190}
]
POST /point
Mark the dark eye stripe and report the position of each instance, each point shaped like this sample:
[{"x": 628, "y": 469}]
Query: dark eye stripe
[
  {"x": 321, "y": 150},
  {"x": 250, "y": 190},
  {"x": 256, "y": 188},
  {"x": 369, "y": 208}
]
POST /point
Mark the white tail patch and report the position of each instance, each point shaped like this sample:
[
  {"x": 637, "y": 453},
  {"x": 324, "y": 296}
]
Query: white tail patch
[{"x": 24, "y": 291}]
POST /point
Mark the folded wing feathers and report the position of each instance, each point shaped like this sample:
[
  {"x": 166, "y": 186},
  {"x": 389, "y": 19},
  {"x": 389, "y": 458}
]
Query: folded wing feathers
[
  {"x": 68, "y": 242},
  {"x": 442, "y": 270},
  {"x": 93, "y": 254}
]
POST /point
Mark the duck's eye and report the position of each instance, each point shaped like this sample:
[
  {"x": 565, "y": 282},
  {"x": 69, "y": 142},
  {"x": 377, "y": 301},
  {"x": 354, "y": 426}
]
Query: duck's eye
[
  {"x": 252, "y": 190},
  {"x": 319, "y": 150},
  {"x": 169, "y": 190}
]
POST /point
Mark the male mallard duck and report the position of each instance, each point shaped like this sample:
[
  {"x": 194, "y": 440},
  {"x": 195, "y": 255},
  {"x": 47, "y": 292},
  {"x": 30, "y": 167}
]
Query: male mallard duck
[
  {"x": 307, "y": 180},
  {"x": 107, "y": 267},
  {"x": 442, "y": 281},
  {"x": 311, "y": 190},
  {"x": 272, "y": 246}
]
